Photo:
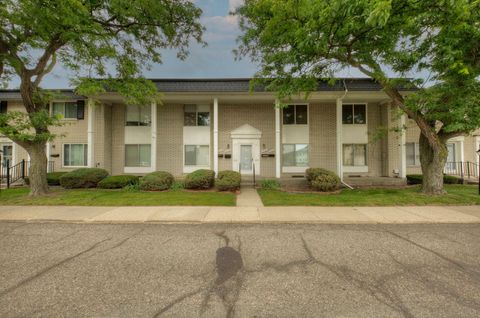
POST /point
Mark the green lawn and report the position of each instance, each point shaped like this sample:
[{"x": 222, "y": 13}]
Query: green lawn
[
  {"x": 97, "y": 197},
  {"x": 457, "y": 195}
]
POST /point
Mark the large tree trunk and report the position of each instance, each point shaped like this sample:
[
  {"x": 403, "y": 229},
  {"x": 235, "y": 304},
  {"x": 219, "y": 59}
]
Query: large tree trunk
[
  {"x": 38, "y": 169},
  {"x": 433, "y": 161}
]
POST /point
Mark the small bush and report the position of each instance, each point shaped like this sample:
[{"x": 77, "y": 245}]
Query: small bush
[
  {"x": 312, "y": 173},
  {"x": 53, "y": 178},
  {"x": 83, "y": 178},
  {"x": 270, "y": 184},
  {"x": 418, "y": 179},
  {"x": 132, "y": 188},
  {"x": 228, "y": 180},
  {"x": 177, "y": 185},
  {"x": 156, "y": 181},
  {"x": 200, "y": 179},
  {"x": 325, "y": 180},
  {"x": 117, "y": 182}
]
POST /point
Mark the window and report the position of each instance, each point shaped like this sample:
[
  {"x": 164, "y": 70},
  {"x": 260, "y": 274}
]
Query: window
[
  {"x": 137, "y": 155},
  {"x": 196, "y": 115},
  {"x": 138, "y": 115},
  {"x": 295, "y": 115},
  {"x": 75, "y": 155},
  {"x": 196, "y": 155},
  {"x": 354, "y": 114},
  {"x": 413, "y": 154},
  {"x": 69, "y": 110},
  {"x": 354, "y": 155},
  {"x": 295, "y": 155}
]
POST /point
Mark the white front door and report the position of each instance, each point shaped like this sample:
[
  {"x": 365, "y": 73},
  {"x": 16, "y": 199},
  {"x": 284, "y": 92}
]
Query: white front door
[{"x": 246, "y": 159}]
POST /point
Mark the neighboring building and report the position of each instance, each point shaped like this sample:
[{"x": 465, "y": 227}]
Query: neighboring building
[{"x": 218, "y": 124}]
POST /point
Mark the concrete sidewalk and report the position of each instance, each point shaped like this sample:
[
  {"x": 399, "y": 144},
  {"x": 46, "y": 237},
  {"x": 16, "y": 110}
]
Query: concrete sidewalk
[{"x": 183, "y": 214}]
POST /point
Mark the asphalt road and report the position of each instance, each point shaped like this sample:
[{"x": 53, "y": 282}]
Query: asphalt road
[{"x": 152, "y": 270}]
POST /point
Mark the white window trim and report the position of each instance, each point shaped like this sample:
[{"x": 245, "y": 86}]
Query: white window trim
[
  {"x": 356, "y": 103},
  {"x": 295, "y": 114},
  {"x": 137, "y": 167},
  {"x": 85, "y": 146},
  {"x": 415, "y": 146},
  {"x": 295, "y": 168},
  {"x": 65, "y": 101},
  {"x": 354, "y": 168},
  {"x": 191, "y": 168},
  {"x": 196, "y": 115},
  {"x": 150, "y": 113}
]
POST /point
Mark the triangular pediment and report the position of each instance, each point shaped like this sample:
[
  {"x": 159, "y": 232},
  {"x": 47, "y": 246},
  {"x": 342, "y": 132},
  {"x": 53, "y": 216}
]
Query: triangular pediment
[{"x": 246, "y": 131}]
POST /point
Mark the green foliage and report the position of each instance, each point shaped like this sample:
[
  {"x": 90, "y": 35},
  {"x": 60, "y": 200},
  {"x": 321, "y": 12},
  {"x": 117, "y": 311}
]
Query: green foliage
[
  {"x": 200, "y": 179},
  {"x": 322, "y": 179},
  {"x": 131, "y": 187},
  {"x": 228, "y": 180},
  {"x": 270, "y": 184},
  {"x": 418, "y": 179},
  {"x": 177, "y": 185},
  {"x": 83, "y": 178},
  {"x": 156, "y": 181},
  {"x": 53, "y": 178},
  {"x": 118, "y": 182}
]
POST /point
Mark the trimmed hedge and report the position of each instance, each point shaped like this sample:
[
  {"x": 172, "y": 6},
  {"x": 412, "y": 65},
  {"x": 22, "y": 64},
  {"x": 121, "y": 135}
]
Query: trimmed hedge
[
  {"x": 53, "y": 178},
  {"x": 118, "y": 182},
  {"x": 322, "y": 179},
  {"x": 228, "y": 180},
  {"x": 418, "y": 179},
  {"x": 83, "y": 178},
  {"x": 156, "y": 181},
  {"x": 200, "y": 179}
]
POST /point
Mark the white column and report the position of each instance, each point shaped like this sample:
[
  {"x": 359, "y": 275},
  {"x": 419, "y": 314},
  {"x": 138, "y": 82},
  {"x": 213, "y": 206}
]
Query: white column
[
  {"x": 277, "y": 140},
  {"x": 48, "y": 150},
  {"x": 462, "y": 151},
  {"x": 215, "y": 135},
  {"x": 91, "y": 133},
  {"x": 402, "y": 147},
  {"x": 339, "y": 128},
  {"x": 14, "y": 154},
  {"x": 153, "y": 128}
]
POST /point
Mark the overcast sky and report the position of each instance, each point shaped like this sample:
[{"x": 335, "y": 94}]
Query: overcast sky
[{"x": 214, "y": 61}]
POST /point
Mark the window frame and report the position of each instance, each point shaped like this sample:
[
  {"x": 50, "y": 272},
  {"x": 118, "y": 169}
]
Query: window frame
[
  {"x": 295, "y": 152},
  {"x": 295, "y": 114},
  {"x": 353, "y": 113},
  {"x": 139, "y": 108},
  {"x": 196, "y": 115},
  {"x": 65, "y": 102},
  {"x": 353, "y": 154},
  {"x": 138, "y": 152},
  {"x": 85, "y": 155},
  {"x": 416, "y": 147},
  {"x": 197, "y": 165}
]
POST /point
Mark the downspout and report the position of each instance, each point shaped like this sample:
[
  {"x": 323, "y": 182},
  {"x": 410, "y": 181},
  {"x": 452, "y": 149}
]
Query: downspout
[{"x": 341, "y": 99}]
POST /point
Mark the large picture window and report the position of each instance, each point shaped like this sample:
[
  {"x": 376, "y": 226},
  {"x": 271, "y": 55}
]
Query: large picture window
[
  {"x": 196, "y": 115},
  {"x": 68, "y": 110},
  {"x": 354, "y": 155},
  {"x": 75, "y": 155},
  {"x": 138, "y": 115},
  {"x": 354, "y": 114},
  {"x": 197, "y": 155},
  {"x": 413, "y": 154},
  {"x": 295, "y": 155},
  {"x": 137, "y": 155},
  {"x": 295, "y": 115}
]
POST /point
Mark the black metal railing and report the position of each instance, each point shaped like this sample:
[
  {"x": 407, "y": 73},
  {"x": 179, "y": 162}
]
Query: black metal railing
[
  {"x": 463, "y": 169},
  {"x": 11, "y": 174}
]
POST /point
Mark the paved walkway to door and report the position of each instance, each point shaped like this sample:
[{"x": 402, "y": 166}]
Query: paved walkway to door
[{"x": 249, "y": 197}]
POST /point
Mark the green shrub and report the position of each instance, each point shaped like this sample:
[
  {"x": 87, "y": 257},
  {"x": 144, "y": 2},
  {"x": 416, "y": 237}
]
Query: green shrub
[
  {"x": 326, "y": 181},
  {"x": 83, "y": 178},
  {"x": 177, "y": 185},
  {"x": 131, "y": 187},
  {"x": 156, "y": 181},
  {"x": 228, "y": 180},
  {"x": 200, "y": 179},
  {"x": 418, "y": 179},
  {"x": 53, "y": 178},
  {"x": 312, "y": 173},
  {"x": 117, "y": 182},
  {"x": 270, "y": 184}
]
